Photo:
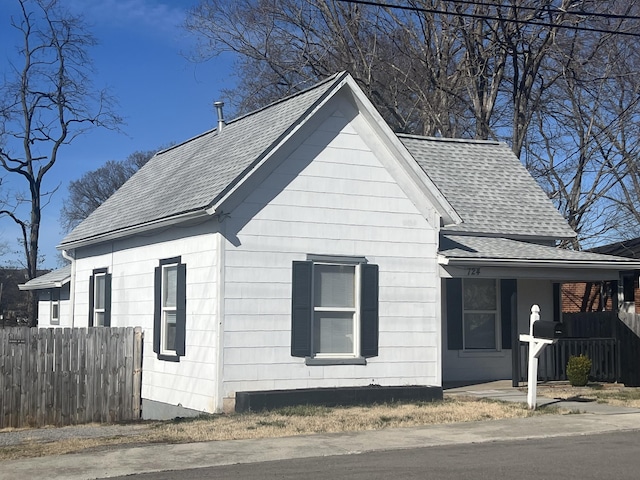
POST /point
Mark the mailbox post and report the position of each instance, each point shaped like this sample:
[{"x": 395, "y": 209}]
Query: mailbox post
[{"x": 541, "y": 334}]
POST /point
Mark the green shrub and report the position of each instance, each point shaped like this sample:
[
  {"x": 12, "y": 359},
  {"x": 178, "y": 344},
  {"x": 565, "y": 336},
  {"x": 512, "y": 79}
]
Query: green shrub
[{"x": 578, "y": 369}]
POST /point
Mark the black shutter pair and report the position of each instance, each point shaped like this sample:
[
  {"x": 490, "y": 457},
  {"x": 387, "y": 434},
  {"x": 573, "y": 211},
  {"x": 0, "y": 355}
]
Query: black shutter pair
[
  {"x": 107, "y": 297},
  {"x": 508, "y": 290},
  {"x": 181, "y": 310},
  {"x": 302, "y": 310}
]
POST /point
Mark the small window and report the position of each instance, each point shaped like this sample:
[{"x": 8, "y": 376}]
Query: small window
[
  {"x": 480, "y": 314},
  {"x": 55, "y": 306},
  {"x": 100, "y": 298},
  {"x": 334, "y": 309},
  {"x": 170, "y": 309}
]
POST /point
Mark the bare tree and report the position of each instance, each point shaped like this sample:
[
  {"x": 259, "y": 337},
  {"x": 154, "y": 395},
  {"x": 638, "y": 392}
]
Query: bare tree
[
  {"x": 586, "y": 139},
  {"x": 535, "y": 74},
  {"x": 94, "y": 187},
  {"x": 47, "y": 103}
]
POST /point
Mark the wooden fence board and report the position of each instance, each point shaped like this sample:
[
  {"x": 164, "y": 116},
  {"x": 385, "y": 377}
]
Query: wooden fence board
[{"x": 68, "y": 376}]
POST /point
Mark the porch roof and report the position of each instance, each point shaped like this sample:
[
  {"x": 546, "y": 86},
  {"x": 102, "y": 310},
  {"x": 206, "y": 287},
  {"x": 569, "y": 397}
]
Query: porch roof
[
  {"x": 54, "y": 279},
  {"x": 470, "y": 251}
]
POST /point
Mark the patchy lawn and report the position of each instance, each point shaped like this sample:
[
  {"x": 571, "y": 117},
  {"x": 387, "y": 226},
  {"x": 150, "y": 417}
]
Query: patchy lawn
[
  {"x": 611, "y": 393},
  {"x": 302, "y": 420}
]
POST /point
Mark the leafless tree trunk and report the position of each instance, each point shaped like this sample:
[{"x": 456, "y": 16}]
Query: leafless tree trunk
[{"x": 48, "y": 103}]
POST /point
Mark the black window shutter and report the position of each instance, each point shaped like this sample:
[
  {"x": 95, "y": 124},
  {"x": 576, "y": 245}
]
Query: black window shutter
[
  {"x": 107, "y": 300},
  {"x": 369, "y": 310},
  {"x": 301, "y": 309},
  {"x": 454, "y": 313},
  {"x": 508, "y": 289},
  {"x": 557, "y": 300},
  {"x": 91, "y": 299},
  {"x": 181, "y": 310},
  {"x": 157, "y": 310}
]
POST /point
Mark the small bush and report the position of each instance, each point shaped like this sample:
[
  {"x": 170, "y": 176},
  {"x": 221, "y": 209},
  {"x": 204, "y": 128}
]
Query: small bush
[{"x": 578, "y": 369}]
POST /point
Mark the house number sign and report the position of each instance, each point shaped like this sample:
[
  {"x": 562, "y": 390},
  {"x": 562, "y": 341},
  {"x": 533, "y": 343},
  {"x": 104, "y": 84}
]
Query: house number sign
[
  {"x": 473, "y": 272},
  {"x": 16, "y": 341}
]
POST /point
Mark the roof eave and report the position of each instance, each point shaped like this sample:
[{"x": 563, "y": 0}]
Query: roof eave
[
  {"x": 538, "y": 263},
  {"x": 42, "y": 286},
  {"x": 136, "y": 229},
  {"x": 447, "y": 230},
  {"x": 449, "y": 215}
]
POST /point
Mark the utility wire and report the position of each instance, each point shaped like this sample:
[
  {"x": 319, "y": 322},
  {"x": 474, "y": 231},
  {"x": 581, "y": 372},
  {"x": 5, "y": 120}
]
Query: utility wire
[
  {"x": 545, "y": 8},
  {"x": 488, "y": 17}
]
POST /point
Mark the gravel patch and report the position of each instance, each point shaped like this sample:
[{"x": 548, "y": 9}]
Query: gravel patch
[{"x": 54, "y": 434}]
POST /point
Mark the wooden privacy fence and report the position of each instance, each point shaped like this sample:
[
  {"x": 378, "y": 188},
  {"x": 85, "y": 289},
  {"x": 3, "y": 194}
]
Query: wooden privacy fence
[{"x": 66, "y": 376}]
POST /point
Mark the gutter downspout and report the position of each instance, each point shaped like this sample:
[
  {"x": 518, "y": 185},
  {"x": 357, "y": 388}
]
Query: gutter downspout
[
  {"x": 72, "y": 284},
  {"x": 220, "y": 313}
]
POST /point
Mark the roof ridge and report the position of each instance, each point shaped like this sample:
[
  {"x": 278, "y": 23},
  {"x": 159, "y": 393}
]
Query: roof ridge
[
  {"x": 289, "y": 97},
  {"x": 317, "y": 85},
  {"x": 452, "y": 140}
]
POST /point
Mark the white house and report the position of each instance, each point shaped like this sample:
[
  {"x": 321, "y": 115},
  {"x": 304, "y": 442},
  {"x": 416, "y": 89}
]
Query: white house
[{"x": 305, "y": 245}]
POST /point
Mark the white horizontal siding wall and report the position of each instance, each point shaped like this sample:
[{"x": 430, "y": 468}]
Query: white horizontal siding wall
[
  {"x": 342, "y": 202},
  {"x": 45, "y": 303},
  {"x": 44, "y": 309},
  {"x": 192, "y": 381}
]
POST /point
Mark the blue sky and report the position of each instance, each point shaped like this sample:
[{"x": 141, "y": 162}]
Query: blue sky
[{"x": 163, "y": 97}]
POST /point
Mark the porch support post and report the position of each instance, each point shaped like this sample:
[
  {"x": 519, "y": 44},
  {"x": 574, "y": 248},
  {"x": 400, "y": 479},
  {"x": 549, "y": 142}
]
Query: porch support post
[{"x": 515, "y": 345}]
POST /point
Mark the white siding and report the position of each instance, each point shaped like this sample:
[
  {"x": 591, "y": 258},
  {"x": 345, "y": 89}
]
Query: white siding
[
  {"x": 192, "y": 381},
  {"x": 333, "y": 200},
  {"x": 44, "y": 308}
]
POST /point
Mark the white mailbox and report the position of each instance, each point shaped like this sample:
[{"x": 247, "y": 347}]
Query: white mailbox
[{"x": 536, "y": 346}]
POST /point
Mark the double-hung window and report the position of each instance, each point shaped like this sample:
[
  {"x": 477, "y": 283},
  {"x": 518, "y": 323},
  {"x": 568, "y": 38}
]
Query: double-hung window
[
  {"x": 100, "y": 298},
  {"x": 170, "y": 309},
  {"x": 334, "y": 310},
  {"x": 480, "y": 314},
  {"x": 335, "y": 316}
]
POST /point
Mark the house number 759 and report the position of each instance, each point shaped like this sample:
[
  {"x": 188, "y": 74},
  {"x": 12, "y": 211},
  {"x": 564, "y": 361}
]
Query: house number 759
[{"x": 473, "y": 272}]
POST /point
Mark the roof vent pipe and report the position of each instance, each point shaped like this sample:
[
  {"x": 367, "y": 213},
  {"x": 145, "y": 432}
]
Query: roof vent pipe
[{"x": 219, "y": 106}]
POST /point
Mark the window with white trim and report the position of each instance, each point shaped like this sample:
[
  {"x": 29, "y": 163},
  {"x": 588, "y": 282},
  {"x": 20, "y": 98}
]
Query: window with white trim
[
  {"x": 335, "y": 316},
  {"x": 480, "y": 314},
  {"x": 100, "y": 298},
  {"x": 169, "y": 310},
  {"x": 169, "y": 330}
]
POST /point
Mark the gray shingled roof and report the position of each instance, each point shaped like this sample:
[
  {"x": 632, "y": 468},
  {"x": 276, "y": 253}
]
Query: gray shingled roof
[
  {"x": 55, "y": 278},
  {"x": 483, "y": 181},
  {"x": 488, "y": 187},
  {"x": 191, "y": 176},
  {"x": 469, "y": 247}
]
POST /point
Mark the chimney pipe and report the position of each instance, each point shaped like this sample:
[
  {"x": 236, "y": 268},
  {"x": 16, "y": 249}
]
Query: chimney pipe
[{"x": 219, "y": 106}]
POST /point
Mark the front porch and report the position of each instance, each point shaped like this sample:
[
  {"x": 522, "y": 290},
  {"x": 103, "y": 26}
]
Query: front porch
[{"x": 489, "y": 286}]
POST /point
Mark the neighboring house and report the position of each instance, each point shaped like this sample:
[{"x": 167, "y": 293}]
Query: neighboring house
[
  {"x": 622, "y": 294},
  {"x": 306, "y": 245},
  {"x": 52, "y": 290}
]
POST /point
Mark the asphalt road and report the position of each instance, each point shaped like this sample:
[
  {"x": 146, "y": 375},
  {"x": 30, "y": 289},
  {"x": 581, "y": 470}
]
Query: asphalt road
[{"x": 603, "y": 456}]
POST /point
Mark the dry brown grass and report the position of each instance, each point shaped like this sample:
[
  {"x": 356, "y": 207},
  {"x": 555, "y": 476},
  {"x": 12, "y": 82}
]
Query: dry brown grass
[
  {"x": 286, "y": 422},
  {"x": 612, "y": 394}
]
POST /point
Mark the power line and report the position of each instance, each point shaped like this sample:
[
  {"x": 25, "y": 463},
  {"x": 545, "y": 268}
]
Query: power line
[
  {"x": 488, "y": 17},
  {"x": 548, "y": 8}
]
